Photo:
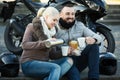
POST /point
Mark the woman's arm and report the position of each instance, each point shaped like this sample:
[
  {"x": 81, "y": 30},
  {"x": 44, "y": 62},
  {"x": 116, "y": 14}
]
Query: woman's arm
[{"x": 28, "y": 43}]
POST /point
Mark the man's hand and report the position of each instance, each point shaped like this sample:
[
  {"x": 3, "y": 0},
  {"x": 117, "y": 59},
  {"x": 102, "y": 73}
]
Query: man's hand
[
  {"x": 90, "y": 40},
  {"x": 70, "y": 51}
]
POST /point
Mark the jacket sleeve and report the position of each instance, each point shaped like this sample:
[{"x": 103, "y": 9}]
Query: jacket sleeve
[
  {"x": 27, "y": 42},
  {"x": 88, "y": 32}
]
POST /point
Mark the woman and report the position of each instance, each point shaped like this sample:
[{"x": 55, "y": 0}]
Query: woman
[{"x": 35, "y": 60}]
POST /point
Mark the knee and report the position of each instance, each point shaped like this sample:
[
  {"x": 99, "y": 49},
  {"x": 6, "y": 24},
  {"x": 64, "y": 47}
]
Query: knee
[
  {"x": 55, "y": 70},
  {"x": 94, "y": 47},
  {"x": 57, "y": 67},
  {"x": 70, "y": 61}
]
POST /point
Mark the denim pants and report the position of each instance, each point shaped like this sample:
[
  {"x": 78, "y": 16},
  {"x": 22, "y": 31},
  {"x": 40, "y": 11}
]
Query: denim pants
[
  {"x": 89, "y": 57},
  {"x": 52, "y": 70}
]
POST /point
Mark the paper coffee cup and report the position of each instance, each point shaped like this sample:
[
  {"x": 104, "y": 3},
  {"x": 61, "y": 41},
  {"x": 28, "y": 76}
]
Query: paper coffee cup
[
  {"x": 81, "y": 42},
  {"x": 64, "y": 50}
]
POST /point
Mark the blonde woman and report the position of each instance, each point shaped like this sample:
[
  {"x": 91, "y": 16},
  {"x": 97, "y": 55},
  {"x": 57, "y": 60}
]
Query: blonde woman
[{"x": 35, "y": 57}]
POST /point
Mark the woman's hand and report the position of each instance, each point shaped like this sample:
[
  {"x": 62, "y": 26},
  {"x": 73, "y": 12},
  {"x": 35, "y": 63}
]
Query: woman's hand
[
  {"x": 90, "y": 40},
  {"x": 51, "y": 39},
  {"x": 75, "y": 52},
  {"x": 70, "y": 51}
]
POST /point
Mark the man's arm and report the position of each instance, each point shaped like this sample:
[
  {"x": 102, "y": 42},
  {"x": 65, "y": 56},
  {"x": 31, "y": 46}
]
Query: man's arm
[{"x": 89, "y": 33}]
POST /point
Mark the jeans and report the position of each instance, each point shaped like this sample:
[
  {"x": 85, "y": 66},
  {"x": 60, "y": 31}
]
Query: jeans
[
  {"x": 89, "y": 57},
  {"x": 73, "y": 73},
  {"x": 52, "y": 70}
]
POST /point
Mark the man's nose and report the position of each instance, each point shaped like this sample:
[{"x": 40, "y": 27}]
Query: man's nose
[
  {"x": 55, "y": 22},
  {"x": 71, "y": 16}
]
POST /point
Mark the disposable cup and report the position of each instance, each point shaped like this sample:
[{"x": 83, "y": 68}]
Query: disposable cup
[
  {"x": 73, "y": 44},
  {"x": 64, "y": 50},
  {"x": 81, "y": 42}
]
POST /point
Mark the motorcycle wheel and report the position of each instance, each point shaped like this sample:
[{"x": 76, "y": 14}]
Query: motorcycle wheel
[
  {"x": 12, "y": 38},
  {"x": 108, "y": 42}
]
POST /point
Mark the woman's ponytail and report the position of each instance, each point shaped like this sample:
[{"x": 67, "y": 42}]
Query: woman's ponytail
[{"x": 40, "y": 12}]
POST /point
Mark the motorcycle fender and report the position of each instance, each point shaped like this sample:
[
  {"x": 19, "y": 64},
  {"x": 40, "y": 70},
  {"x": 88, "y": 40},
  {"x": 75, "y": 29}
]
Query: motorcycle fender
[{"x": 102, "y": 25}]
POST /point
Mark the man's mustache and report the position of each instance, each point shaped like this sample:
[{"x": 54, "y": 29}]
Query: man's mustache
[{"x": 70, "y": 18}]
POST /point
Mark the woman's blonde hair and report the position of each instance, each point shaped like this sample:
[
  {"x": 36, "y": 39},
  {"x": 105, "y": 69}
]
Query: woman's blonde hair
[{"x": 49, "y": 11}]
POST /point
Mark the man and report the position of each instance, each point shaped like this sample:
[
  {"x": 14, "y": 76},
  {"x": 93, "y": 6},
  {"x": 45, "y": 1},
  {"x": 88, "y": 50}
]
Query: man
[{"x": 70, "y": 29}]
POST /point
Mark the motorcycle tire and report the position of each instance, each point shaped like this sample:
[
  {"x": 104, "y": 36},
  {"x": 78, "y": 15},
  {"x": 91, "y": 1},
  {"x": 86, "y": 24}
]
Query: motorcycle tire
[
  {"x": 12, "y": 38},
  {"x": 108, "y": 43},
  {"x": 9, "y": 41}
]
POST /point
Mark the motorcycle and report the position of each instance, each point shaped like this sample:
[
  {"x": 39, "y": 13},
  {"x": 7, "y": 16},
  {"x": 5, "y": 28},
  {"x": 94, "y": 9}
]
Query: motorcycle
[
  {"x": 85, "y": 11},
  {"x": 94, "y": 10}
]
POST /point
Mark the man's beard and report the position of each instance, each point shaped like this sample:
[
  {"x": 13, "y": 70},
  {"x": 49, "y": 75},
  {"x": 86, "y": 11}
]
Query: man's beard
[{"x": 65, "y": 24}]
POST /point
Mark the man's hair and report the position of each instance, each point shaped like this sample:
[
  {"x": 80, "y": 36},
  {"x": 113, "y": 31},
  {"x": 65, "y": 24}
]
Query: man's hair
[{"x": 69, "y": 4}]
